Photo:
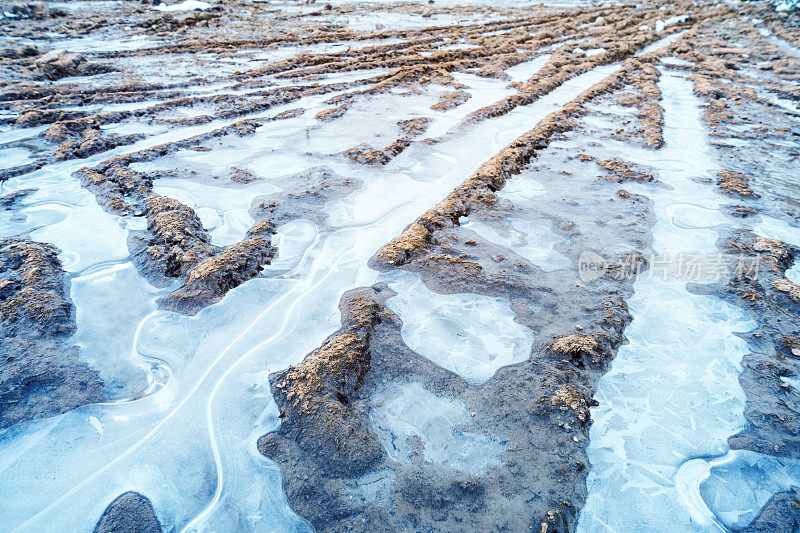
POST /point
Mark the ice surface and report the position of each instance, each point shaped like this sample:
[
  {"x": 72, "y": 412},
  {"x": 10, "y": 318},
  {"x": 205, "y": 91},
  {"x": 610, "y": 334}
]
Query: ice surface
[
  {"x": 728, "y": 492},
  {"x": 661, "y": 43},
  {"x": 775, "y": 228},
  {"x": 676, "y": 62},
  {"x": 103, "y": 44},
  {"x": 793, "y": 274},
  {"x": 521, "y": 187},
  {"x": 672, "y": 393},
  {"x": 107, "y": 325},
  {"x": 59, "y": 213},
  {"x": 661, "y": 25},
  {"x": 691, "y": 216},
  {"x": 532, "y": 239},
  {"x": 405, "y": 411},
  {"x": 293, "y": 240},
  {"x": 525, "y": 71},
  {"x": 14, "y": 156},
  {"x": 595, "y": 52},
  {"x": 469, "y": 334}
]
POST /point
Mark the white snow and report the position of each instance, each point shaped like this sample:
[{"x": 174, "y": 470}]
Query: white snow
[{"x": 186, "y": 5}]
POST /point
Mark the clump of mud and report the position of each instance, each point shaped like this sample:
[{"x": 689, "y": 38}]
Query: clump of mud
[
  {"x": 41, "y": 374},
  {"x": 130, "y": 511}
]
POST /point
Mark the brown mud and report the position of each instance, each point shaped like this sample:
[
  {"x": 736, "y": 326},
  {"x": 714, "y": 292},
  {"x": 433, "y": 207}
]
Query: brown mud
[{"x": 41, "y": 373}]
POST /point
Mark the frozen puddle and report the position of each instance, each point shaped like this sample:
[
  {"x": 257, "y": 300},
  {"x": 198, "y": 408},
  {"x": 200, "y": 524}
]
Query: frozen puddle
[
  {"x": 672, "y": 393},
  {"x": 107, "y": 327},
  {"x": 469, "y": 334},
  {"x": 58, "y": 213},
  {"x": 407, "y": 417},
  {"x": 293, "y": 240},
  {"x": 525, "y": 71},
  {"x": 727, "y": 493},
  {"x": 224, "y": 211},
  {"x": 793, "y": 274},
  {"x": 774, "y": 228},
  {"x": 531, "y": 239}
]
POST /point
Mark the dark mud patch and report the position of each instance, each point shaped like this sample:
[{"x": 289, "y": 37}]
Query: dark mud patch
[
  {"x": 130, "y": 512},
  {"x": 41, "y": 374}
]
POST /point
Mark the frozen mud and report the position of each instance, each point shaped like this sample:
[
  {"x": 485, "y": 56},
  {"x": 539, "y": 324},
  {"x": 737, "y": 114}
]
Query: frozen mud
[{"x": 291, "y": 266}]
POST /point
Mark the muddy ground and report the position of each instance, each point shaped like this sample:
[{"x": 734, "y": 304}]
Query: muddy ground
[{"x": 118, "y": 109}]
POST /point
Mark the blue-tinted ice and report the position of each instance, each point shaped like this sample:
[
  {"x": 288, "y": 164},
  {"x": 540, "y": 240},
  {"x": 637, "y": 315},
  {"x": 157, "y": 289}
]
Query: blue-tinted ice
[
  {"x": 469, "y": 334},
  {"x": 406, "y": 416}
]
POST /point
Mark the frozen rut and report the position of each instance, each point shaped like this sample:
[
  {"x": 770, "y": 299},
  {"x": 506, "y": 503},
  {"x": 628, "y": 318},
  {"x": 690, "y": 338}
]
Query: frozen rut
[{"x": 672, "y": 394}]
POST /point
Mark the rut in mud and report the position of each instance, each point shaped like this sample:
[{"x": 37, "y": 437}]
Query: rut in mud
[{"x": 295, "y": 266}]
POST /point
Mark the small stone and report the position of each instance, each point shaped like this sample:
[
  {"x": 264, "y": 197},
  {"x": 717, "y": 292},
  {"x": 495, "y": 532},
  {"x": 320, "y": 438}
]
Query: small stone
[{"x": 796, "y": 352}]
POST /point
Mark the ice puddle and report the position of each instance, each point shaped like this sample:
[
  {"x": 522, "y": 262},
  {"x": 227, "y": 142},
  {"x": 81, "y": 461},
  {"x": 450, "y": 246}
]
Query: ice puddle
[
  {"x": 469, "y": 334},
  {"x": 187, "y": 438},
  {"x": 672, "y": 393},
  {"x": 406, "y": 410}
]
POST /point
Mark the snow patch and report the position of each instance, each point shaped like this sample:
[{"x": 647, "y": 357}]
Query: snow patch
[{"x": 187, "y": 5}]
